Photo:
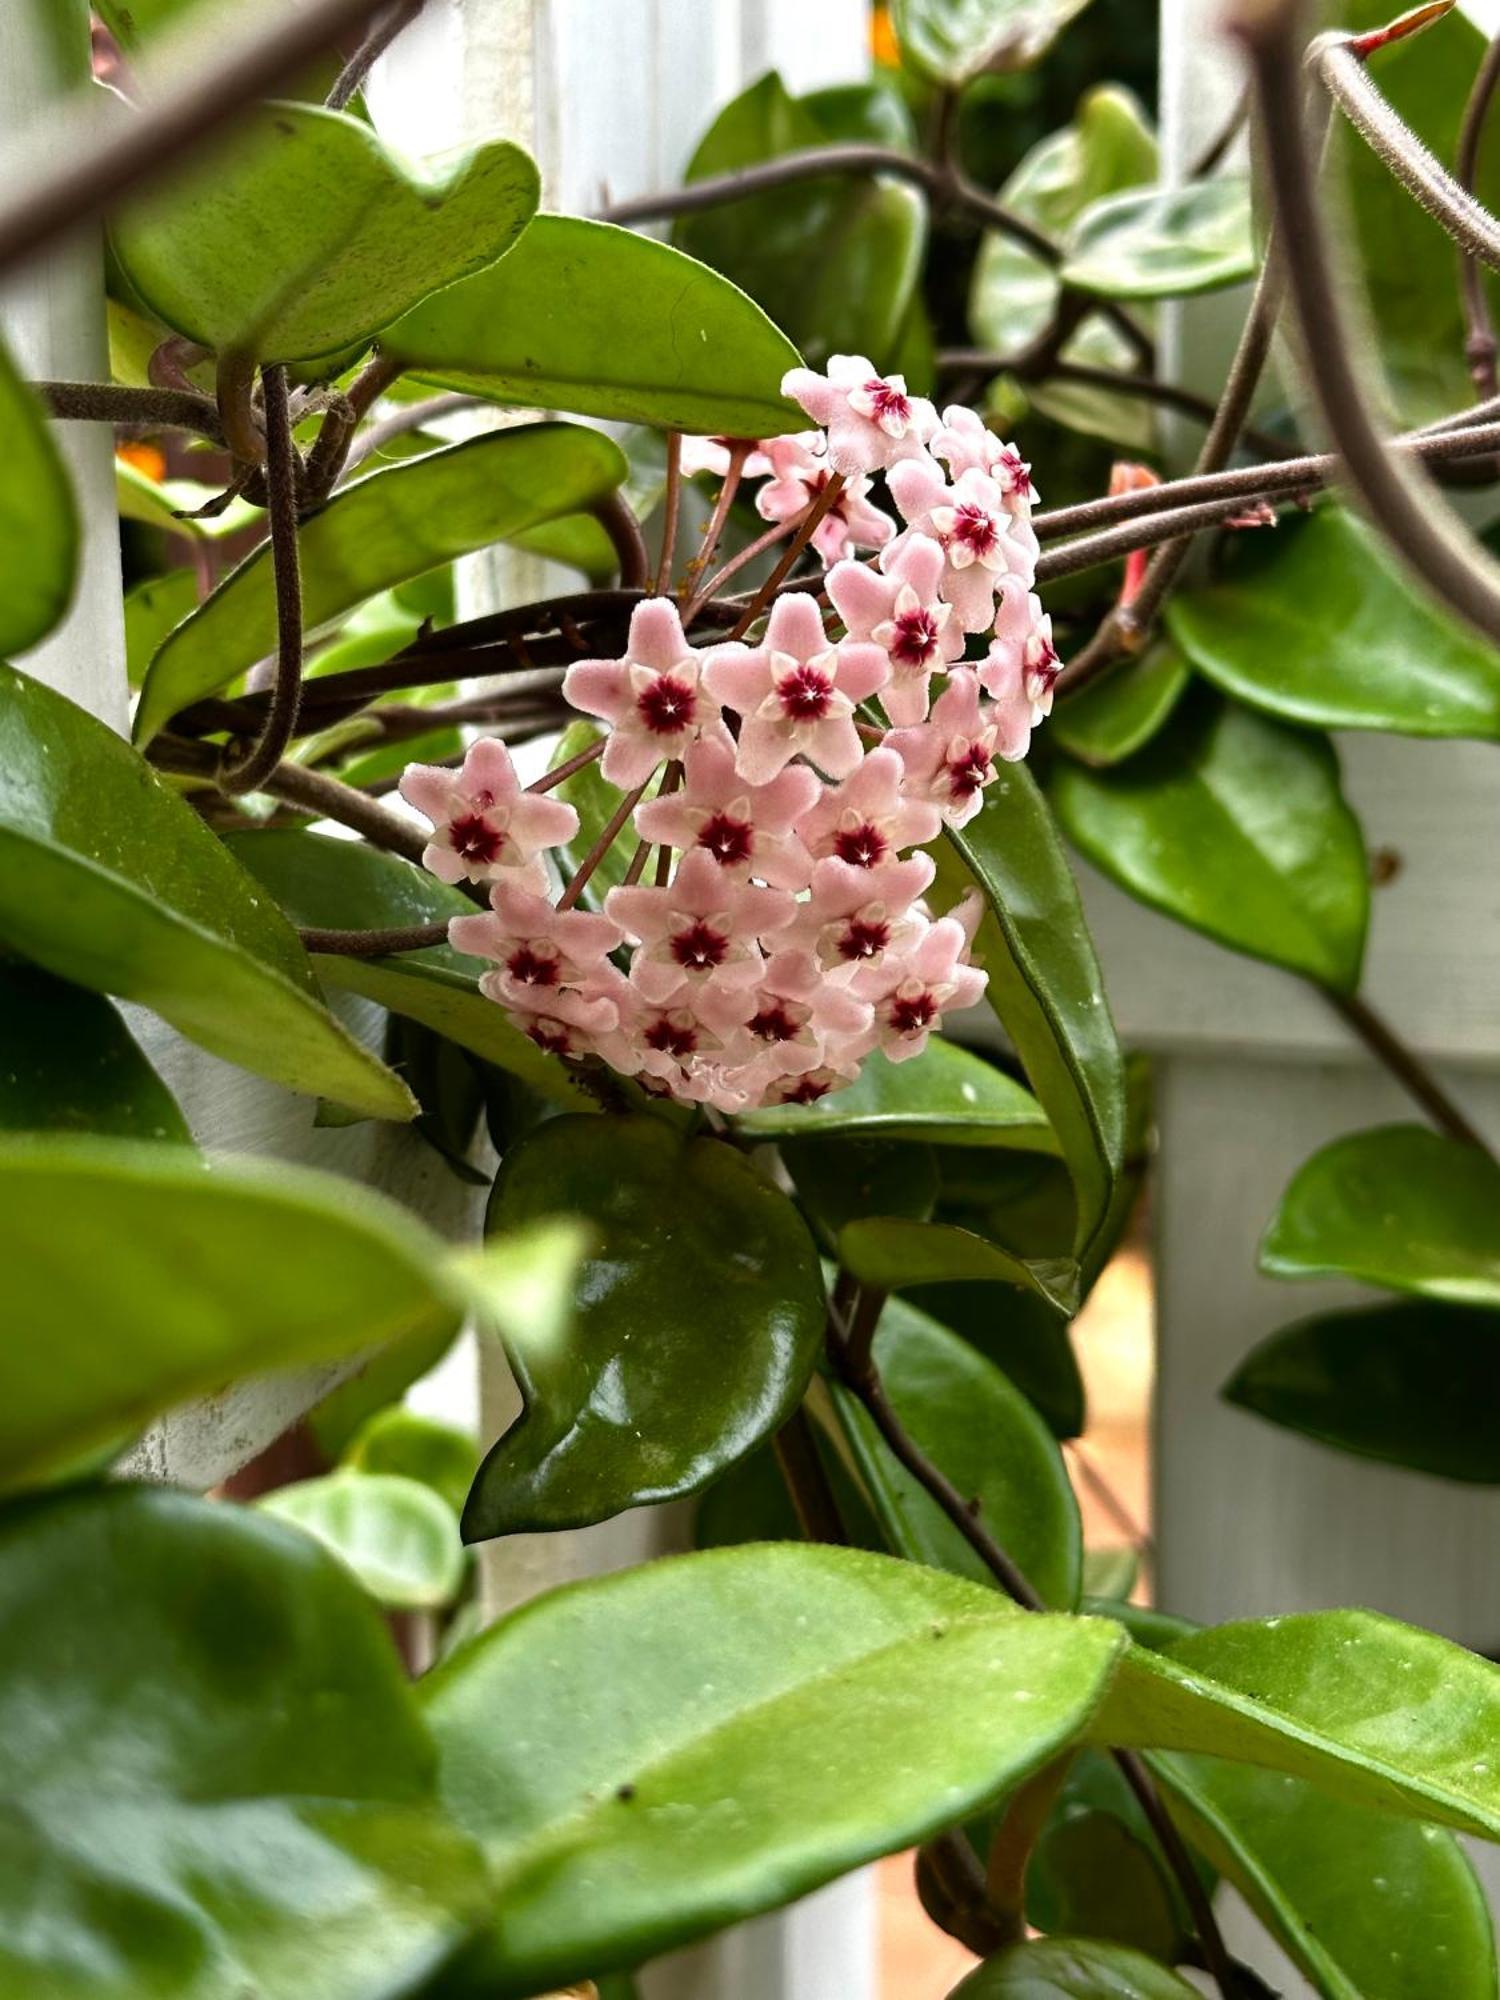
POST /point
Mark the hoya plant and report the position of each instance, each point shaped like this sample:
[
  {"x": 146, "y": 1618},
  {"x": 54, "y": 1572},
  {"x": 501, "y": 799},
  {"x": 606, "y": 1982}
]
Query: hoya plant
[{"x": 715, "y": 916}]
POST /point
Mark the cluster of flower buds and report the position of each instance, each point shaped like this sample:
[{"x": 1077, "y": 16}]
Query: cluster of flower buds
[{"x": 782, "y": 933}]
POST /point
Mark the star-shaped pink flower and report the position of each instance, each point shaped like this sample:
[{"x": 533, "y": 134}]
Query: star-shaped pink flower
[
  {"x": 799, "y": 1010},
  {"x": 967, "y": 443},
  {"x": 800, "y": 472},
  {"x": 869, "y": 819},
  {"x": 702, "y": 929},
  {"x": 870, "y": 418},
  {"x": 931, "y": 978},
  {"x": 653, "y": 697},
  {"x": 900, "y": 611},
  {"x": 950, "y": 757},
  {"x": 971, "y": 522},
  {"x": 564, "y": 1020},
  {"x": 748, "y": 829},
  {"x": 855, "y": 916},
  {"x": 533, "y": 942},
  {"x": 484, "y": 827},
  {"x": 795, "y": 692}
]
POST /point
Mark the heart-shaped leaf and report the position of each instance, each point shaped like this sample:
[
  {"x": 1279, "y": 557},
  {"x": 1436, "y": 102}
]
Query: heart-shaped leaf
[
  {"x": 404, "y": 1442},
  {"x": 699, "y": 1311},
  {"x": 598, "y": 320},
  {"x": 182, "y": 1817},
  {"x": 1234, "y": 825},
  {"x": 983, "y": 1434},
  {"x": 38, "y": 519},
  {"x": 950, "y": 41},
  {"x": 1407, "y": 1384},
  {"x": 1158, "y": 243},
  {"x": 1120, "y": 714},
  {"x": 769, "y": 1718},
  {"x": 300, "y": 235},
  {"x": 71, "y": 1065},
  {"x": 109, "y": 879},
  {"x": 333, "y": 884},
  {"x": 1372, "y": 1711},
  {"x": 1317, "y": 624},
  {"x": 1369, "y": 1906},
  {"x": 397, "y": 1536},
  {"x": 1072, "y": 1969},
  {"x": 1399, "y": 1206},
  {"x": 379, "y": 532},
  {"x": 892, "y": 1252},
  {"x": 945, "y": 1095}
]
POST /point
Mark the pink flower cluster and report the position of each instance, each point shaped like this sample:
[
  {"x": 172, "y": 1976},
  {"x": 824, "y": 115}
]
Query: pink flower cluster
[{"x": 776, "y": 931}]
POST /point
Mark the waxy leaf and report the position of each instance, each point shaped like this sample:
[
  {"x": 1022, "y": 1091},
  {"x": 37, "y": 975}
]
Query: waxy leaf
[
  {"x": 598, "y": 320},
  {"x": 215, "y": 1780},
  {"x": 1120, "y": 714},
  {"x": 950, "y": 41},
  {"x": 378, "y": 532},
  {"x": 70, "y": 1064},
  {"x": 1399, "y": 1206},
  {"x": 300, "y": 235},
  {"x": 334, "y": 884},
  {"x": 699, "y": 1311},
  {"x": 1372, "y": 1711},
  {"x": 1072, "y": 1969},
  {"x": 127, "y": 1286},
  {"x": 1316, "y": 623},
  {"x": 38, "y": 519},
  {"x": 151, "y": 611},
  {"x": 1407, "y": 1384},
  {"x": 1092, "y": 1875},
  {"x": 107, "y": 878},
  {"x": 893, "y": 1252},
  {"x": 943, "y": 1096},
  {"x": 397, "y": 1536},
  {"x": 1157, "y": 243},
  {"x": 1026, "y": 1339},
  {"x": 402, "y": 1441},
  {"x": 1234, "y": 825},
  {"x": 974, "y": 1426},
  {"x": 768, "y": 1718},
  {"x": 1371, "y": 1907},
  {"x": 1045, "y": 983}
]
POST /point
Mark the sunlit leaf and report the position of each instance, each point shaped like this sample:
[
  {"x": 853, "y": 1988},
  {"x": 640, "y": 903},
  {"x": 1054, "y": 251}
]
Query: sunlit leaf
[
  {"x": 1157, "y": 243},
  {"x": 951, "y": 41},
  {"x": 397, "y": 1535}
]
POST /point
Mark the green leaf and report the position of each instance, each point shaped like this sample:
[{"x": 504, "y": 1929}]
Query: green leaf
[
  {"x": 1091, "y": 1875},
  {"x": 699, "y": 1312},
  {"x": 835, "y": 262},
  {"x": 965, "y": 1417},
  {"x": 126, "y": 1270},
  {"x": 38, "y": 519},
  {"x": 1072, "y": 1969},
  {"x": 416, "y": 1447},
  {"x": 1369, "y": 1906},
  {"x": 1120, "y": 714},
  {"x": 300, "y": 235},
  {"x": 598, "y": 320},
  {"x": 1159, "y": 243},
  {"x": 152, "y": 609},
  {"x": 1024, "y": 1337},
  {"x": 379, "y": 532},
  {"x": 751, "y": 1502},
  {"x": 943, "y": 1095},
  {"x": 107, "y": 878},
  {"x": 172, "y": 504},
  {"x": 215, "y": 1782},
  {"x": 842, "y": 1180},
  {"x": 1045, "y": 983},
  {"x": 1372, "y": 1711},
  {"x": 334, "y": 884},
  {"x": 398, "y": 1537},
  {"x": 70, "y": 1065},
  {"x": 1317, "y": 624},
  {"x": 726, "y": 1731},
  {"x": 1236, "y": 826},
  {"x": 1399, "y": 1206},
  {"x": 892, "y": 1252},
  {"x": 1407, "y": 1384},
  {"x": 951, "y": 41}
]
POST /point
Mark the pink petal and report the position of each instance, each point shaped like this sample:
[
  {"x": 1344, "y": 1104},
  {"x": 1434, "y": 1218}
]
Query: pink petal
[
  {"x": 429, "y": 789},
  {"x": 863, "y": 668},
  {"x": 598, "y": 687},
  {"x": 656, "y": 637},
  {"x": 795, "y": 626},
  {"x": 738, "y": 676}
]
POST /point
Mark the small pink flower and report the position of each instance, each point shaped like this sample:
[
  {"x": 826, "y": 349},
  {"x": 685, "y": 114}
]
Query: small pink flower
[
  {"x": 967, "y": 443},
  {"x": 654, "y": 697},
  {"x": 534, "y": 943},
  {"x": 701, "y": 929},
  {"x": 950, "y": 758},
  {"x": 798, "y": 1007},
  {"x": 931, "y": 979},
  {"x": 970, "y": 521},
  {"x": 711, "y": 454},
  {"x": 795, "y": 692},
  {"x": 870, "y": 419},
  {"x": 868, "y": 819},
  {"x": 800, "y": 472},
  {"x": 748, "y": 829},
  {"x": 900, "y": 612},
  {"x": 1041, "y": 668},
  {"x": 855, "y": 916},
  {"x": 484, "y": 827},
  {"x": 668, "y": 1040},
  {"x": 564, "y": 1020},
  {"x": 808, "y": 1088}
]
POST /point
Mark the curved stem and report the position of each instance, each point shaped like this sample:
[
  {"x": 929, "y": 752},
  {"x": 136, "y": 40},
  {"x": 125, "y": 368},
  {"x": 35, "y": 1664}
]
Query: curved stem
[
  {"x": 616, "y": 517},
  {"x": 246, "y": 774},
  {"x": 138, "y": 409},
  {"x": 671, "y": 509},
  {"x": 1407, "y": 1068},
  {"x": 1480, "y": 347},
  {"x": 313, "y": 791},
  {"x": 410, "y": 417},
  {"x": 234, "y": 389},
  {"x": 820, "y": 507},
  {"x": 374, "y": 944},
  {"x": 739, "y": 451},
  {"x": 369, "y": 52},
  {"x": 326, "y": 460}
]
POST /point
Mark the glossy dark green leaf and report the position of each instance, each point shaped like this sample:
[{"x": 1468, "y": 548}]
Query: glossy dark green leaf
[
  {"x": 1120, "y": 714},
  {"x": 69, "y": 1064},
  {"x": 1370, "y": 1907},
  {"x": 1022, "y": 1201},
  {"x": 724, "y": 1732},
  {"x": 1399, "y": 1206},
  {"x": 970, "y": 1422},
  {"x": 943, "y": 1095},
  {"x": 699, "y": 1312},
  {"x": 38, "y": 519},
  {"x": 343, "y": 885},
  {"x": 300, "y": 235},
  {"x": 379, "y": 532},
  {"x": 1235, "y": 825},
  {"x": 893, "y": 1252},
  {"x": 1072, "y": 1969},
  {"x": 416, "y": 1447},
  {"x": 215, "y": 1781},
  {"x": 1407, "y": 1384},
  {"x": 599, "y": 320},
  {"x": 951, "y": 41},
  {"x": 151, "y": 611},
  {"x": 1026, "y": 1338},
  {"x": 1317, "y": 624},
  {"x": 842, "y": 1180},
  {"x": 834, "y": 262},
  {"x": 1157, "y": 243},
  {"x": 1372, "y": 1711},
  {"x": 108, "y": 879},
  {"x": 1091, "y": 1876},
  {"x": 397, "y": 1536},
  {"x": 1045, "y": 983},
  {"x": 751, "y": 1502}
]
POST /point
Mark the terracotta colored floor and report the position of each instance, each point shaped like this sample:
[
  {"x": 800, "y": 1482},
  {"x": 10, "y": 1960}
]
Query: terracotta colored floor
[{"x": 1114, "y": 1342}]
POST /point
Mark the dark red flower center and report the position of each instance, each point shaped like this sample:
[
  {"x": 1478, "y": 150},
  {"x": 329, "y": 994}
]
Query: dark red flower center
[
  {"x": 916, "y": 638},
  {"x": 1043, "y": 670},
  {"x": 912, "y": 1012},
  {"x": 531, "y": 968},
  {"x": 864, "y": 937},
  {"x": 774, "y": 1024},
  {"x": 667, "y": 706},
  {"x": 727, "y": 839},
  {"x": 888, "y": 401},
  {"x": 861, "y": 846},
  {"x": 970, "y": 771},
  {"x": 700, "y": 947},
  {"x": 975, "y": 529},
  {"x": 813, "y": 484},
  {"x": 671, "y": 1038},
  {"x": 805, "y": 693},
  {"x": 551, "y": 1036},
  {"x": 806, "y": 1090},
  {"x": 476, "y": 838}
]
